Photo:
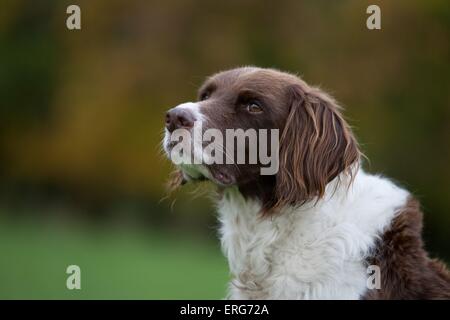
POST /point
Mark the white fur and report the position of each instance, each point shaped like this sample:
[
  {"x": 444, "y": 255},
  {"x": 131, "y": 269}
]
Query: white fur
[
  {"x": 194, "y": 107},
  {"x": 190, "y": 170},
  {"x": 310, "y": 252}
]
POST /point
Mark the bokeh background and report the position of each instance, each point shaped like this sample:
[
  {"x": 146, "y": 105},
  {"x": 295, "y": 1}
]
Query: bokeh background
[{"x": 81, "y": 173}]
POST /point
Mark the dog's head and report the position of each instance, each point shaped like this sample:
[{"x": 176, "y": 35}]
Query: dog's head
[{"x": 313, "y": 142}]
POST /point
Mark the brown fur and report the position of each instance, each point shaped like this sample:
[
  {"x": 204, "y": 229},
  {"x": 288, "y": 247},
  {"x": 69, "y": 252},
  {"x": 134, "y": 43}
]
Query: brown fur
[
  {"x": 406, "y": 270},
  {"x": 322, "y": 148}
]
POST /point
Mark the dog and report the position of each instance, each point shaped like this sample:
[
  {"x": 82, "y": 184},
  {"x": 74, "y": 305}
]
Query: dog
[{"x": 321, "y": 227}]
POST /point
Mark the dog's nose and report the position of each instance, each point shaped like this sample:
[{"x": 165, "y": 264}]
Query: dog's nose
[{"x": 177, "y": 118}]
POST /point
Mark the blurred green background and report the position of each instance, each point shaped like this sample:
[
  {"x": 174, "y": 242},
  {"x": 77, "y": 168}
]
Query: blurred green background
[{"x": 81, "y": 172}]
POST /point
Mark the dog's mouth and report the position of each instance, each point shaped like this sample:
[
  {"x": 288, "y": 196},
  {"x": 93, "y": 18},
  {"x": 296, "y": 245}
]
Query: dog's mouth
[
  {"x": 218, "y": 174},
  {"x": 223, "y": 178},
  {"x": 169, "y": 146}
]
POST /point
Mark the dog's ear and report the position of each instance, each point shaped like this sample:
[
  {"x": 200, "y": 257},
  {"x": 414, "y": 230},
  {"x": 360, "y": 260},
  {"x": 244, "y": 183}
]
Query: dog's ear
[{"x": 316, "y": 145}]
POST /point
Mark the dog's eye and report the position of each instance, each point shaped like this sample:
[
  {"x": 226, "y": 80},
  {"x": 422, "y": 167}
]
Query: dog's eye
[
  {"x": 253, "y": 106},
  {"x": 205, "y": 95}
]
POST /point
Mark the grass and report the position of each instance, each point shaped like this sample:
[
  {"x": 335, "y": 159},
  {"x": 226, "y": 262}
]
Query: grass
[{"x": 114, "y": 265}]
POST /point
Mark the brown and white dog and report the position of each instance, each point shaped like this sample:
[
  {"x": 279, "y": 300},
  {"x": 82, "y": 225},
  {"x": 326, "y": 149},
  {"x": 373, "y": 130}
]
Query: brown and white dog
[{"x": 311, "y": 230}]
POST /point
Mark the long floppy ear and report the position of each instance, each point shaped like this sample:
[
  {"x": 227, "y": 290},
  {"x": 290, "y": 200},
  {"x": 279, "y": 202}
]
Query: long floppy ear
[{"x": 315, "y": 147}]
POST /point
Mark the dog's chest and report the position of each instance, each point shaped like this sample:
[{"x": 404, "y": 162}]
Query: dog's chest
[
  {"x": 276, "y": 259},
  {"x": 302, "y": 254}
]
